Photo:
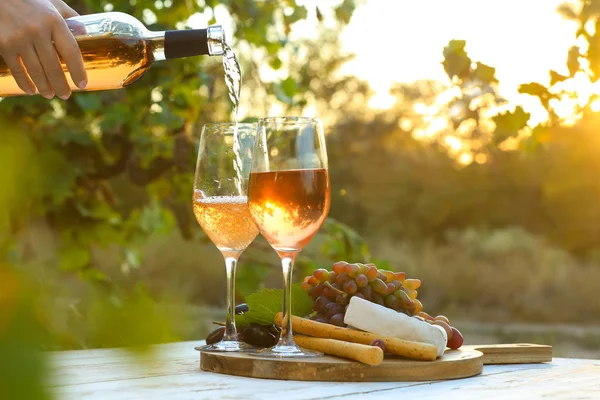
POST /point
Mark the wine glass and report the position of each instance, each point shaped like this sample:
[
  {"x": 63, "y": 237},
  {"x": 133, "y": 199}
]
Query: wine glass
[
  {"x": 221, "y": 206},
  {"x": 289, "y": 200}
]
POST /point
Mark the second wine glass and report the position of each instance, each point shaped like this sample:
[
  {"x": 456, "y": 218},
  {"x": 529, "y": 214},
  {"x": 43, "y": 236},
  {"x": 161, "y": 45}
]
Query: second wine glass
[
  {"x": 289, "y": 201},
  {"x": 221, "y": 206}
]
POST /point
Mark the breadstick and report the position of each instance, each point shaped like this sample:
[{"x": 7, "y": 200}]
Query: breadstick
[
  {"x": 370, "y": 355},
  {"x": 403, "y": 348}
]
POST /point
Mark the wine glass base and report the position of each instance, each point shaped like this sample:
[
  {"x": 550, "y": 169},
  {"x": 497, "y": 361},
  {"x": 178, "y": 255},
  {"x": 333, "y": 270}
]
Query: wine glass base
[
  {"x": 286, "y": 352},
  {"x": 229, "y": 346}
]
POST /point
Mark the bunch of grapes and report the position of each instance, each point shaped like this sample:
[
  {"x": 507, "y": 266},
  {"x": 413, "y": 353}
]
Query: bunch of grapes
[{"x": 331, "y": 292}]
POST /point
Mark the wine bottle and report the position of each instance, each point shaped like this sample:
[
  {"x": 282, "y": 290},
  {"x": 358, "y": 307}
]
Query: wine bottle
[{"x": 117, "y": 49}]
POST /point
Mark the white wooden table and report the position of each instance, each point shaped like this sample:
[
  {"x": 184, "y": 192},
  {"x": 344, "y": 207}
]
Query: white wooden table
[{"x": 174, "y": 373}]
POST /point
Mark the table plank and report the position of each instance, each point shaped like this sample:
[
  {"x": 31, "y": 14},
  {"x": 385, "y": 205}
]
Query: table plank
[{"x": 175, "y": 374}]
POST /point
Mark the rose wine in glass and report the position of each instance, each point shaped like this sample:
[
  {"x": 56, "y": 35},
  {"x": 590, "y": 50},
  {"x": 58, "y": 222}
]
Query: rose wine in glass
[
  {"x": 221, "y": 206},
  {"x": 289, "y": 200}
]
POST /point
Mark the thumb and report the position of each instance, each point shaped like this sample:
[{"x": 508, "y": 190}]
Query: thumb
[{"x": 64, "y": 9}]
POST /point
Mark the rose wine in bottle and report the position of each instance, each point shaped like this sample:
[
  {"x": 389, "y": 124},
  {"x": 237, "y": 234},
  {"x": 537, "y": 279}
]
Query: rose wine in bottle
[{"x": 117, "y": 50}]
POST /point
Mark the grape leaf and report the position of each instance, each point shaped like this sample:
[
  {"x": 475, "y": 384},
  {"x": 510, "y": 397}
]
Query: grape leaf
[
  {"x": 556, "y": 77},
  {"x": 509, "y": 123},
  {"x": 485, "y": 73},
  {"x": 573, "y": 60},
  {"x": 456, "y": 61},
  {"x": 264, "y": 304}
]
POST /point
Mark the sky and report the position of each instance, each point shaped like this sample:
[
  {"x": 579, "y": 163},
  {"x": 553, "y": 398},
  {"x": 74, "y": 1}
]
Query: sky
[
  {"x": 403, "y": 40},
  {"x": 522, "y": 39}
]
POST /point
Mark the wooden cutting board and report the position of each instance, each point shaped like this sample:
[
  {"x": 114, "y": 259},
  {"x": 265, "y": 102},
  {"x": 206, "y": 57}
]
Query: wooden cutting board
[{"x": 465, "y": 362}]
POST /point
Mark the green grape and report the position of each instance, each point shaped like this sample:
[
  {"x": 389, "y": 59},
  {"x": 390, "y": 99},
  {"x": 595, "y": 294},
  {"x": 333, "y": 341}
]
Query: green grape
[
  {"x": 411, "y": 293},
  {"x": 397, "y": 284},
  {"x": 379, "y": 286},
  {"x": 403, "y": 300},
  {"x": 361, "y": 280},
  {"x": 362, "y": 267},
  {"x": 381, "y": 276},
  {"x": 391, "y": 301},
  {"x": 418, "y": 306},
  {"x": 388, "y": 274},
  {"x": 413, "y": 284}
]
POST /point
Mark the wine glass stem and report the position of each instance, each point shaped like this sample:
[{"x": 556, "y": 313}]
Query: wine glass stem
[
  {"x": 230, "y": 330},
  {"x": 286, "y": 338}
]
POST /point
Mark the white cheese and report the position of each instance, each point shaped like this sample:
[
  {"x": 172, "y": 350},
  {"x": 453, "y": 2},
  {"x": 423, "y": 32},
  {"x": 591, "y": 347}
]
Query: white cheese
[{"x": 371, "y": 317}]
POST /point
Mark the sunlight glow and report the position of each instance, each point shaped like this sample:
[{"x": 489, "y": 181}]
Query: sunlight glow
[
  {"x": 454, "y": 143},
  {"x": 522, "y": 45},
  {"x": 481, "y": 158},
  {"x": 465, "y": 158}
]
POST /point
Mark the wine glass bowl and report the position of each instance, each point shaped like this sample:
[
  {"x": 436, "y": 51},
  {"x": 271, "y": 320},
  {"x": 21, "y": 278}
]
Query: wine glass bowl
[
  {"x": 220, "y": 206},
  {"x": 289, "y": 199}
]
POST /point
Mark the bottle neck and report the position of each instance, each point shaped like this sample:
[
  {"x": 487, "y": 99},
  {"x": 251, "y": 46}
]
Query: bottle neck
[{"x": 168, "y": 45}]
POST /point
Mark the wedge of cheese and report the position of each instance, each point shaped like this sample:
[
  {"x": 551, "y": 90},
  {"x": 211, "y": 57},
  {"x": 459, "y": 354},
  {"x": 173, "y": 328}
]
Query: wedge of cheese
[{"x": 371, "y": 317}]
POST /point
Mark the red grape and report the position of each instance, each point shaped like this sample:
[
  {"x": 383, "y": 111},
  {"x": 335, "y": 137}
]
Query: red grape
[
  {"x": 371, "y": 273},
  {"x": 350, "y": 287},
  {"x": 457, "y": 339},
  {"x": 379, "y": 343},
  {"x": 321, "y": 303},
  {"x": 321, "y": 274},
  {"x": 337, "y": 319},
  {"x": 339, "y": 266},
  {"x": 361, "y": 280},
  {"x": 333, "y": 308}
]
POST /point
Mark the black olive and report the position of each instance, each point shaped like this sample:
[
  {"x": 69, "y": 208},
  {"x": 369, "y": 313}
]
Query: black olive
[
  {"x": 274, "y": 330},
  {"x": 241, "y": 308},
  {"x": 259, "y": 335},
  {"x": 216, "y": 335}
]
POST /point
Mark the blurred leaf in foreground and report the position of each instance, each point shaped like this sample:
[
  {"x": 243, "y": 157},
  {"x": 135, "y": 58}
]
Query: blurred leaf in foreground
[{"x": 23, "y": 365}]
